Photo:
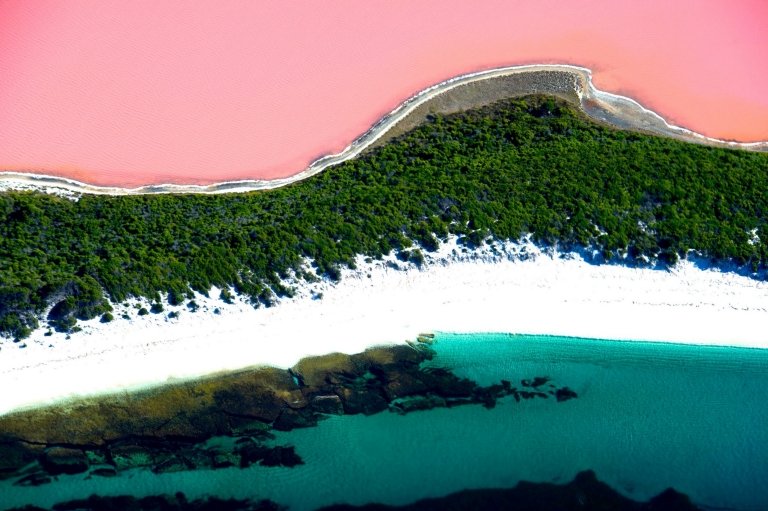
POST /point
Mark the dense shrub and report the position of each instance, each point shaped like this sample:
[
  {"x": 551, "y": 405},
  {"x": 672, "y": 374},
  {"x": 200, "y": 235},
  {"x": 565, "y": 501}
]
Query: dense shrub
[
  {"x": 514, "y": 168},
  {"x": 226, "y": 295}
]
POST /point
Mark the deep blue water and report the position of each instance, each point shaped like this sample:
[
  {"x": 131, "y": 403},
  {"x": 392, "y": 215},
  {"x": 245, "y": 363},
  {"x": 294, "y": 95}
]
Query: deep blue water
[{"x": 648, "y": 416}]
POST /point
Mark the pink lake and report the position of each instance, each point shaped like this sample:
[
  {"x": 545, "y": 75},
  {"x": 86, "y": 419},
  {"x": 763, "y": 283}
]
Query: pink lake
[{"x": 129, "y": 93}]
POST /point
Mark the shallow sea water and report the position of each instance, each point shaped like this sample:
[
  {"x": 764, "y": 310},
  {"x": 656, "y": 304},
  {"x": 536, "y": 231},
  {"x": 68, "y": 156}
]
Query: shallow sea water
[{"x": 648, "y": 416}]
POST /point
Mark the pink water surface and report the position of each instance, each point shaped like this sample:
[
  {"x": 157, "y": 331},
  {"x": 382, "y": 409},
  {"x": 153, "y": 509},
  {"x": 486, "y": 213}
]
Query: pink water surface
[{"x": 142, "y": 92}]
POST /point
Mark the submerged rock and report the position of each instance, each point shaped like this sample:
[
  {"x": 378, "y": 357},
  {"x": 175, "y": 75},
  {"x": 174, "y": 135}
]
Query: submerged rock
[
  {"x": 281, "y": 457},
  {"x": 131, "y": 456},
  {"x": 328, "y": 404},
  {"x": 167, "y": 429},
  {"x": 16, "y": 455},
  {"x": 226, "y": 460},
  {"x": 536, "y": 382},
  {"x": 60, "y": 460},
  {"x": 177, "y": 502},
  {"x": 421, "y": 403},
  {"x": 97, "y": 457},
  {"x": 292, "y": 419},
  {"x": 366, "y": 401},
  {"x": 35, "y": 479},
  {"x": 565, "y": 394},
  {"x": 247, "y": 426},
  {"x": 250, "y": 453},
  {"x": 404, "y": 385},
  {"x": 104, "y": 472},
  {"x": 171, "y": 464},
  {"x": 584, "y": 493},
  {"x": 445, "y": 383}
]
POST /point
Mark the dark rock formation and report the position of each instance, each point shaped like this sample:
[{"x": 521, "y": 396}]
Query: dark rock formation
[
  {"x": 584, "y": 493},
  {"x": 60, "y": 460},
  {"x": 104, "y": 472},
  {"x": 536, "y": 382},
  {"x": 176, "y": 502},
  {"x": 15, "y": 455},
  {"x": 245, "y": 426},
  {"x": 361, "y": 400},
  {"x": 318, "y": 371},
  {"x": 404, "y": 385},
  {"x": 291, "y": 419},
  {"x": 131, "y": 456},
  {"x": 281, "y": 457},
  {"x": 421, "y": 403},
  {"x": 565, "y": 394},
  {"x": 327, "y": 404},
  {"x": 34, "y": 479},
  {"x": 166, "y": 430},
  {"x": 250, "y": 453}
]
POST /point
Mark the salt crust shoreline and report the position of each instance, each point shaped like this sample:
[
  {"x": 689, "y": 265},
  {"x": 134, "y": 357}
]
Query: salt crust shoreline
[
  {"x": 515, "y": 288},
  {"x": 604, "y": 106}
]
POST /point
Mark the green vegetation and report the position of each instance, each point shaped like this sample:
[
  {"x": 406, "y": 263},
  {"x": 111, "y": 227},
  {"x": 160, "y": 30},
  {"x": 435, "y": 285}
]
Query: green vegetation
[
  {"x": 143, "y": 312},
  {"x": 107, "y": 317},
  {"x": 415, "y": 256},
  {"x": 226, "y": 295},
  {"x": 515, "y": 168}
]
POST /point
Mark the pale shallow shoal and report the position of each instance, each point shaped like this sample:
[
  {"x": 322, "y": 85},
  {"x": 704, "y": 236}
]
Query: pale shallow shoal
[{"x": 541, "y": 295}]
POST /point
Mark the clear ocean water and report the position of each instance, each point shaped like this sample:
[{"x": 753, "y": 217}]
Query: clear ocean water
[{"x": 648, "y": 416}]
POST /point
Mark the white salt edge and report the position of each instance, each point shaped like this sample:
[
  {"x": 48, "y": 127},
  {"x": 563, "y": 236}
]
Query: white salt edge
[{"x": 520, "y": 289}]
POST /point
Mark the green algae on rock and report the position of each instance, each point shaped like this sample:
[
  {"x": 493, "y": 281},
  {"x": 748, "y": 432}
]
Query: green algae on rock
[{"x": 168, "y": 429}]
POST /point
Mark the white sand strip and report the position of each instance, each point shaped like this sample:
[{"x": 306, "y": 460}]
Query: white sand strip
[{"x": 520, "y": 291}]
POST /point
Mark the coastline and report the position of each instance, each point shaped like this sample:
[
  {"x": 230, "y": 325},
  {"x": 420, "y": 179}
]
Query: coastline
[
  {"x": 514, "y": 288},
  {"x": 605, "y": 107}
]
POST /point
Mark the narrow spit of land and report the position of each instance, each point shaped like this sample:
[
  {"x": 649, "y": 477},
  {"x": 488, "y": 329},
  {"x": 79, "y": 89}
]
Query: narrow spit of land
[{"x": 571, "y": 83}]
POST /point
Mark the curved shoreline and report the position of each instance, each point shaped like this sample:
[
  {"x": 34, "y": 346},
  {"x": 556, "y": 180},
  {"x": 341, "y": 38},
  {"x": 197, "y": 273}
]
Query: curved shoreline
[
  {"x": 619, "y": 111},
  {"x": 519, "y": 288}
]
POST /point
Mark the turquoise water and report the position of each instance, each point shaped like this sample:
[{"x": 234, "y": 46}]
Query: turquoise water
[{"x": 648, "y": 416}]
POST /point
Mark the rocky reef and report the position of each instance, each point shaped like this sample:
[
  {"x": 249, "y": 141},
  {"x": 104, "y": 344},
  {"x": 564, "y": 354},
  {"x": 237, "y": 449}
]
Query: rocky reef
[
  {"x": 177, "y": 502},
  {"x": 228, "y": 421},
  {"x": 584, "y": 493}
]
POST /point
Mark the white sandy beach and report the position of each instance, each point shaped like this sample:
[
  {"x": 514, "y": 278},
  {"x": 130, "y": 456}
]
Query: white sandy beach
[{"x": 520, "y": 290}]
